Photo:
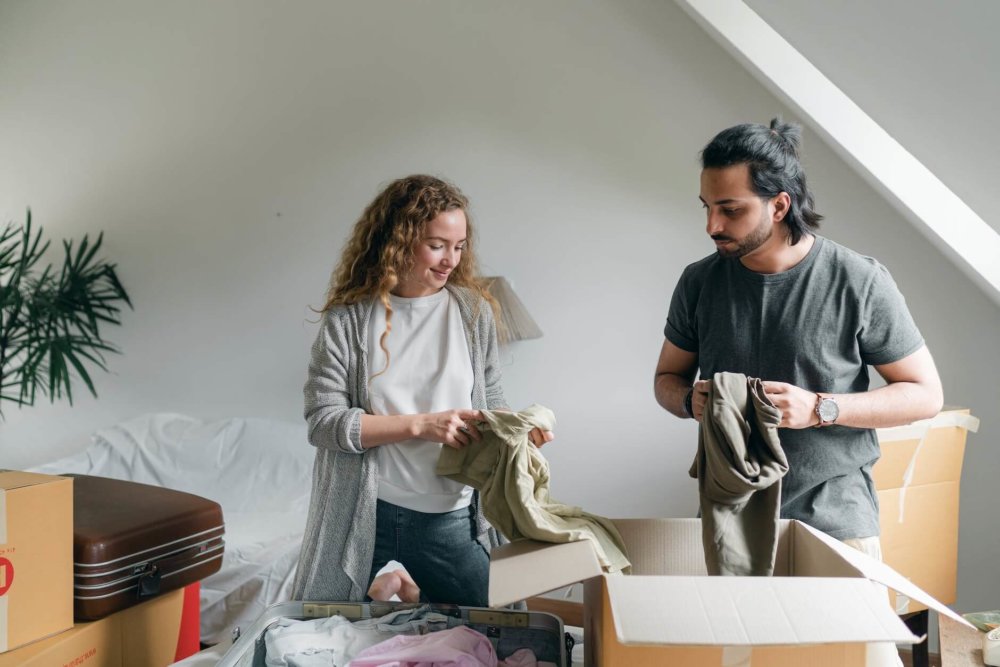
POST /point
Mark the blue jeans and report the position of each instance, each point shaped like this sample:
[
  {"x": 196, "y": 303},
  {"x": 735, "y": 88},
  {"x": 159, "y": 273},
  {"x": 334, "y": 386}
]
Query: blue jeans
[{"x": 439, "y": 551}]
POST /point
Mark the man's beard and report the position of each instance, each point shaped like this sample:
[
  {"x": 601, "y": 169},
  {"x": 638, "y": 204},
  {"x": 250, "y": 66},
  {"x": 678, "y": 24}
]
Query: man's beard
[{"x": 755, "y": 239}]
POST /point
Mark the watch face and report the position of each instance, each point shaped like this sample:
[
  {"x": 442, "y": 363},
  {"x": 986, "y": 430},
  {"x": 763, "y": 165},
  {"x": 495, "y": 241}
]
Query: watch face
[{"x": 828, "y": 410}]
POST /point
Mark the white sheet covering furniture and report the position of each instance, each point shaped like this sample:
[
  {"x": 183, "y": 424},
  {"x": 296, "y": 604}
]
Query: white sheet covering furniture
[{"x": 259, "y": 470}]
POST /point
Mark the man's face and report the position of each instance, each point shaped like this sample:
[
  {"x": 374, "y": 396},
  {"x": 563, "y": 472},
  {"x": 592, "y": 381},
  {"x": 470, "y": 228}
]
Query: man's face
[{"x": 739, "y": 221}]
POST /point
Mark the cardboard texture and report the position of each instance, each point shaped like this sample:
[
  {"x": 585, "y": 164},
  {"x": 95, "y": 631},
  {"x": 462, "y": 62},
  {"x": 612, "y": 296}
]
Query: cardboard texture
[
  {"x": 36, "y": 557},
  {"x": 822, "y": 607},
  {"x": 917, "y": 480},
  {"x": 144, "y": 635}
]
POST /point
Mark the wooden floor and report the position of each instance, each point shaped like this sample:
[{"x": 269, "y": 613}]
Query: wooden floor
[{"x": 907, "y": 658}]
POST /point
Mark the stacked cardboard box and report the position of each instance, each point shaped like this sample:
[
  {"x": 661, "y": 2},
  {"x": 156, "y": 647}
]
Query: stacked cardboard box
[
  {"x": 918, "y": 479},
  {"x": 36, "y": 557},
  {"x": 36, "y": 590},
  {"x": 142, "y": 635}
]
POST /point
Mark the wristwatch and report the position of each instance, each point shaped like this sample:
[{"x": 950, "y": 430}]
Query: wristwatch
[{"x": 826, "y": 409}]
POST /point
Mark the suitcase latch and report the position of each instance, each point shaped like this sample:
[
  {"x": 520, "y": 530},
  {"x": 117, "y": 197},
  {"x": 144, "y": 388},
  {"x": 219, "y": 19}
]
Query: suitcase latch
[
  {"x": 149, "y": 583},
  {"x": 316, "y": 610},
  {"x": 504, "y": 619}
]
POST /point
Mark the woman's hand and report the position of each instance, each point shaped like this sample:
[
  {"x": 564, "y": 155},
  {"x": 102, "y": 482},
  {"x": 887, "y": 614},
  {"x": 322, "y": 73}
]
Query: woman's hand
[
  {"x": 539, "y": 437},
  {"x": 454, "y": 428}
]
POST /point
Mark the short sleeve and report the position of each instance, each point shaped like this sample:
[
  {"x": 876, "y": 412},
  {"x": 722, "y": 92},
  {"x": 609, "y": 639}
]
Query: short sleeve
[
  {"x": 888, "y": 332},
  {"x": 681, "y": 328}
]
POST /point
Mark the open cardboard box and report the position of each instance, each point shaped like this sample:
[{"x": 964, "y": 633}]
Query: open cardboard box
[
  {"x": 918, "y": 479},
  {"x": 821, "y": 609}
]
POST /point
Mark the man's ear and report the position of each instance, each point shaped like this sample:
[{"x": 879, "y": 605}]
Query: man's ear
[{"x": 782, "y": 203}]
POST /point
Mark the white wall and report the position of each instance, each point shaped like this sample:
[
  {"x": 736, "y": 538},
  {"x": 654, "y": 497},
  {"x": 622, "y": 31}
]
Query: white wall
[{"x": 226, "y": 148}]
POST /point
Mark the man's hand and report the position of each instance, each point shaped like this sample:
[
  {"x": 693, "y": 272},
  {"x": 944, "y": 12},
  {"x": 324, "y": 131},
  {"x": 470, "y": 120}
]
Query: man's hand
[
  {"x": 798, "y": 406},
  {"x": 699, "y": 398}
]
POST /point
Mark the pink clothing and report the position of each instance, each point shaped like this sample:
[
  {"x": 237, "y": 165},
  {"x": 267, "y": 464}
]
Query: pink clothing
[{"x": 456, "y": 647}]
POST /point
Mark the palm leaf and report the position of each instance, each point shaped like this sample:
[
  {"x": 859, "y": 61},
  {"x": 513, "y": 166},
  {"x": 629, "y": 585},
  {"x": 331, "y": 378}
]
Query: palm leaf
[
  {"x": 80, "y": 371},
  {"x": 50, "y": 322}
]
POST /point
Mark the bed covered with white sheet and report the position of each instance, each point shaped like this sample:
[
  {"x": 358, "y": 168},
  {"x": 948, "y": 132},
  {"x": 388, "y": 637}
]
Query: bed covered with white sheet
[{"x": 259, "y": 470}]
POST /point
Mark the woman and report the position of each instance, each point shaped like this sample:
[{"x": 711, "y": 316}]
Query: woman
[{"x": 405, "y": 359}]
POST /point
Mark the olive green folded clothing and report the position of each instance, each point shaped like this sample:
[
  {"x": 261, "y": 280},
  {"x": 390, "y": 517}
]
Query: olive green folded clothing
[
  {"x": 512, "y": 477},
  {"x": 739, "y": 466}
]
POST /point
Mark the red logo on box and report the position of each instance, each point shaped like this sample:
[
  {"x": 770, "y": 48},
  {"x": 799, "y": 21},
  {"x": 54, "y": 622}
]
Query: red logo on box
[{"x": 6, "y": 575}]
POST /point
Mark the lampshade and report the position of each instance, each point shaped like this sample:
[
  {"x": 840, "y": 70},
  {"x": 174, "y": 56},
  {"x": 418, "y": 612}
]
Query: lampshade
[{"x": 515, "y": 322}]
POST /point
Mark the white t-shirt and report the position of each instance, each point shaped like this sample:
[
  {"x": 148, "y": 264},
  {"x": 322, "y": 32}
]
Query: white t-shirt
[{"x": 430, "y": 370}]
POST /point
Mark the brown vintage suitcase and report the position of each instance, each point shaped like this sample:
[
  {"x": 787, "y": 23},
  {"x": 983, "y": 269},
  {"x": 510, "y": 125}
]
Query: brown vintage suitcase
[{"x": 134, "y": 541}]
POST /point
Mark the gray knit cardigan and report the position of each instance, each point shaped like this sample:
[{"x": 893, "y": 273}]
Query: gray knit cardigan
[{"x": 339, "y": 538}]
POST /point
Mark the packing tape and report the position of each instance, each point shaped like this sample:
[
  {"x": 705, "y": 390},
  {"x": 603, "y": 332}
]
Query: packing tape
[
  {"x": 918, "y": 430},
  {"x": 991, "y": 647},
  {"x": 736, "y": 656},
  {"x": 908, "y": 473},
  {"x": 914, "y": 430}
]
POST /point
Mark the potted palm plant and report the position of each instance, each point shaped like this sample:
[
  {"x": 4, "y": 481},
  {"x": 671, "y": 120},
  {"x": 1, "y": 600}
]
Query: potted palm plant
[{"x": 50, "y": 322}]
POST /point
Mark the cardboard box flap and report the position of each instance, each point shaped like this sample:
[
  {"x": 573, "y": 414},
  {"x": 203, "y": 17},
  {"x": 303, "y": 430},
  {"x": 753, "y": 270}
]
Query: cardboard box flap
[
  {"x": 812, "y": 557},
  {"x": 15, "y": 479},
  {"x": 658, "y": 545},
  {"x": 883, "y": 574},
  {"x": 751, "y": 611},
  {"x": 525, "y": 568},
  {"x": 959, "y": 417}
]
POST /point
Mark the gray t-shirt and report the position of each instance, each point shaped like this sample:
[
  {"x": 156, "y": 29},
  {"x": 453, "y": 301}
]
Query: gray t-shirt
[{"x": 818, "y": 326}]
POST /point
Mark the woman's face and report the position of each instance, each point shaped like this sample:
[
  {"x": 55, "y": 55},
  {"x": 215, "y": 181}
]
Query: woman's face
[{"x": 436, "y": 255}]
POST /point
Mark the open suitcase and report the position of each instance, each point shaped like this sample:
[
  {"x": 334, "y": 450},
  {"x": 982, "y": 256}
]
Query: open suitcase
[
  {"x": 507, "y": 630},
  {"x": 134, "y": 541}
]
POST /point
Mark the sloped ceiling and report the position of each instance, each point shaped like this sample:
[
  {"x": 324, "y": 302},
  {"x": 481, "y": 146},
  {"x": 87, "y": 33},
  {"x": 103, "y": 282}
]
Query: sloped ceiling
[
  {"x": 904, "y": 91},
  {"x": 927, "y": 71}
]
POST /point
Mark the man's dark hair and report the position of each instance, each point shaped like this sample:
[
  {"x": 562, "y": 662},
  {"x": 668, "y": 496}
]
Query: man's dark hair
[{"x": 772, "y": 155}]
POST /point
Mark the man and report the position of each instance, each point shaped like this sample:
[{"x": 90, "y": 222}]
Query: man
[{"x": 807, "y": 316}]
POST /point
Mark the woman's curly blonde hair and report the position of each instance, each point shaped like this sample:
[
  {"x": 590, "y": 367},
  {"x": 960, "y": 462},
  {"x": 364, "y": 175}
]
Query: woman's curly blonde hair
[{"x": 379, "y": 253}]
